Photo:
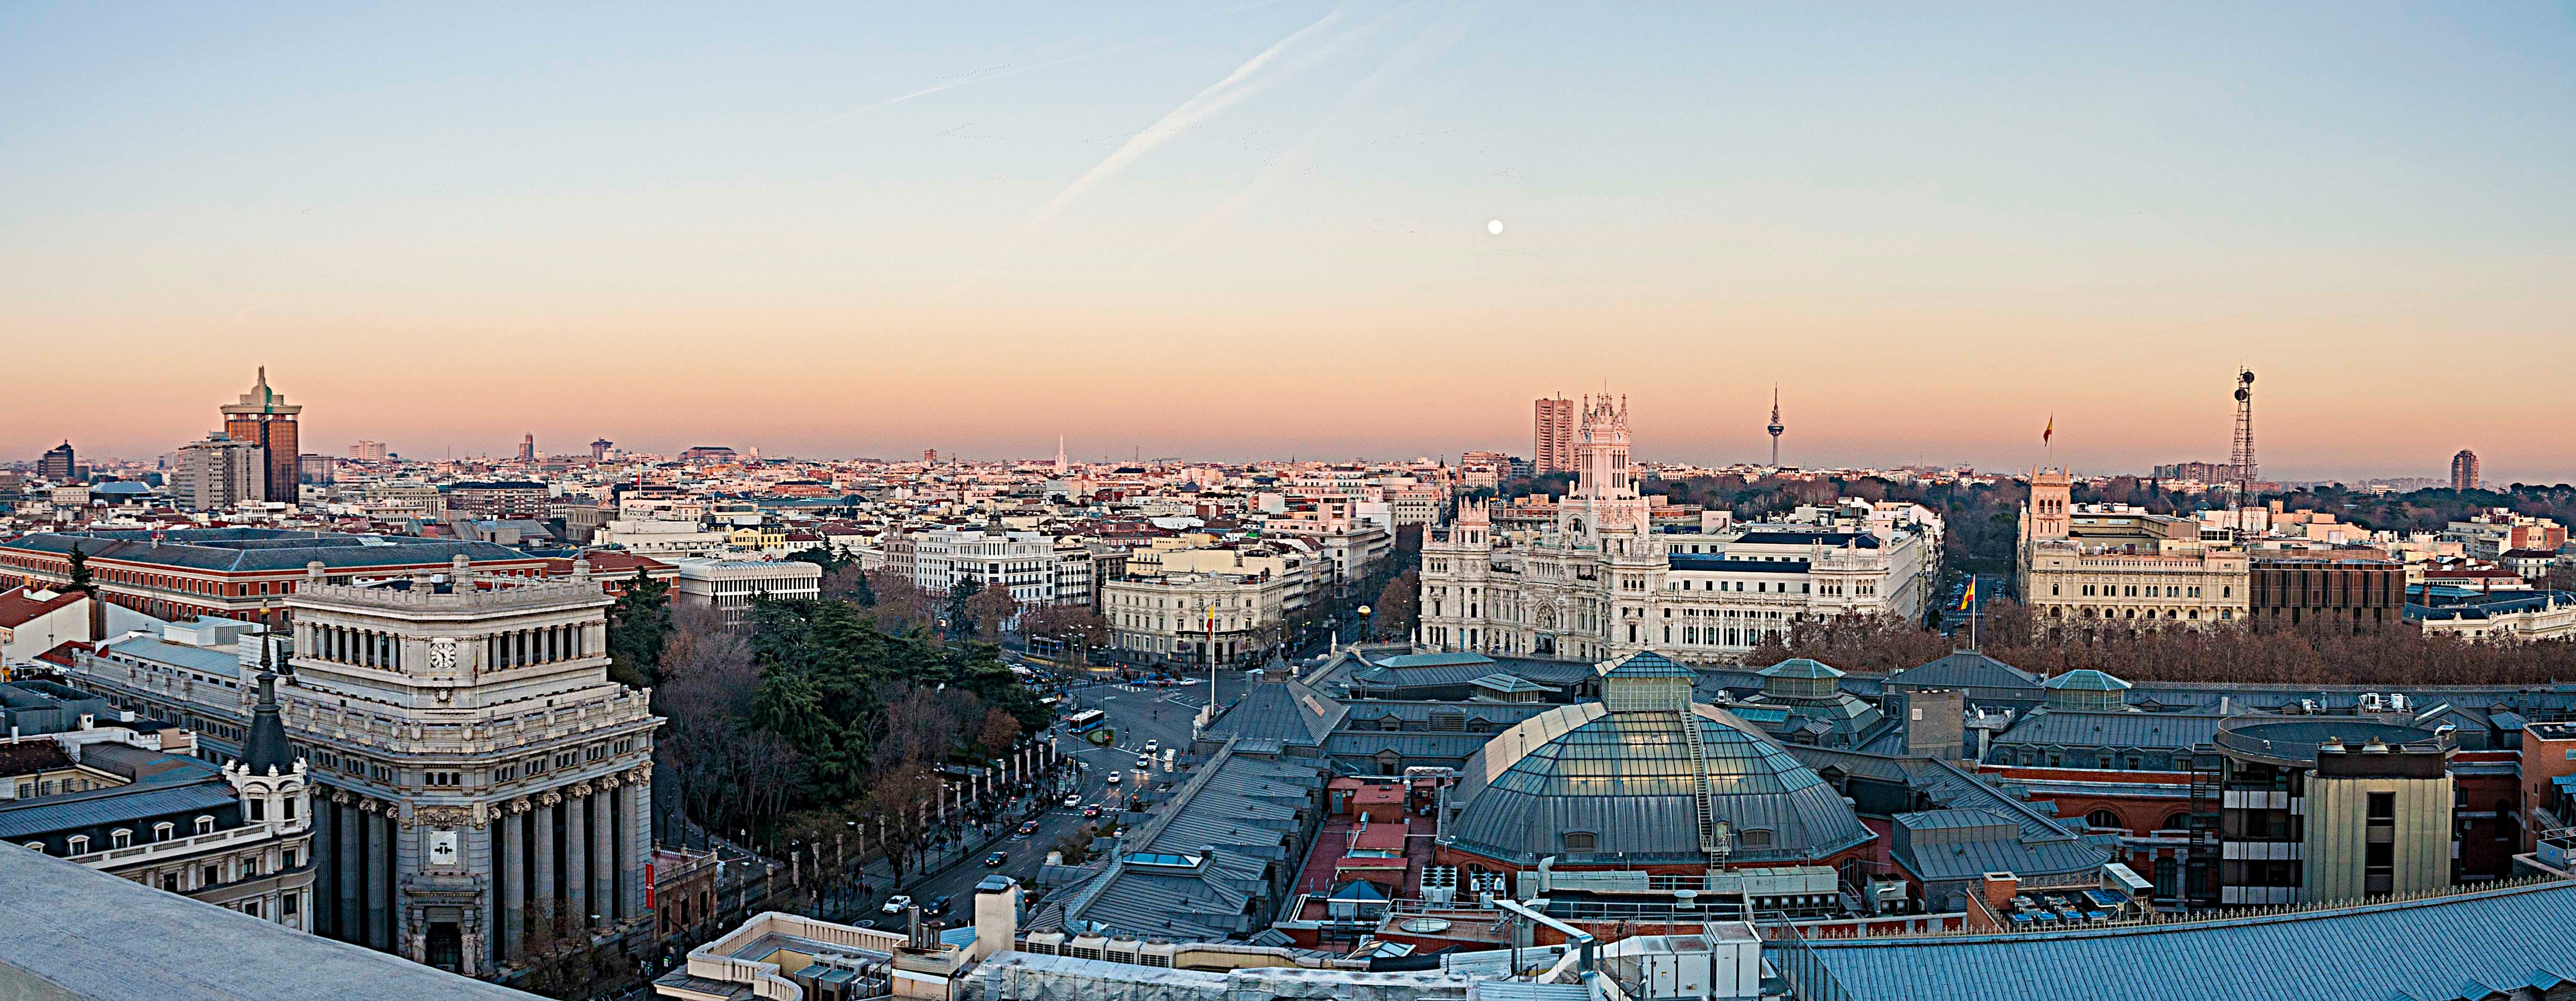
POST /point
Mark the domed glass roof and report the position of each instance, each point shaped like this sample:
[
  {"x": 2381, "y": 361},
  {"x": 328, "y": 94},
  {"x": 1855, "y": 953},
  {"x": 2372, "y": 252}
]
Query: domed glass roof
[{"x": 1623, "y": 786}]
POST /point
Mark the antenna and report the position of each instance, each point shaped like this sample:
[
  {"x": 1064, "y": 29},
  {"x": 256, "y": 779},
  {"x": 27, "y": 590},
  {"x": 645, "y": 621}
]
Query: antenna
[
  {"x": 2243, "y": 460},
  {"x": 1775, "y": 427}
]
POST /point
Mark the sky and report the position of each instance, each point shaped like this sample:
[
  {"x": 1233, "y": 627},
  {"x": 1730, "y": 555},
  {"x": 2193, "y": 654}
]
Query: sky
[{"x": 1262, "y": 229}]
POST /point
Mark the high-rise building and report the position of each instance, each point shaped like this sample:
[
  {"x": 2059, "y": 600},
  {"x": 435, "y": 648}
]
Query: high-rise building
[
  {"x": 219, "y": 472},
  {"x": 265, "y": 419},
  {"x": 600, "y": 448},
  {"x": 60, "y": 464},
  {"x": 368, "y": 451},
  {"x": 1552, "y": 441},
  {"x": 528, "y": 448},
  {"x": 2464, "y": 470}
]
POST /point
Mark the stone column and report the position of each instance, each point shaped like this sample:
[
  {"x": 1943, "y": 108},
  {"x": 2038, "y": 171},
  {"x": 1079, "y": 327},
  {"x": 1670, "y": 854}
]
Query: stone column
[
  {"x": 347, "y": 920},
  {"x": 577, "y": 853},
  {"x": 542, "y": 824},
  {"x": 603, "y": 852},
  {"x": 513, "y": 879},
  {"x": 636, "y": 826},
  {"x": 380, "y": 850}
]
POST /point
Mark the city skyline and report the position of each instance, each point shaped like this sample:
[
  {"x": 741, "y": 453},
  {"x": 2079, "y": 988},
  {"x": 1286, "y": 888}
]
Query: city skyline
[{"x": 828, "y": 231}]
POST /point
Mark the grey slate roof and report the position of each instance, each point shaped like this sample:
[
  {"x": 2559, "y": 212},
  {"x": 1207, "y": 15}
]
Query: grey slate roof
[
  {"x": 244, "y": 550},
  {"x": 2115, "y": 729},
  {"x": 1967, "y": 669},
  {"x": 220, "y": 661},
  {"x": 1289, "y": 712},
  {"x": 1947, "y": 845},
  {"x": 2465, "y": 945},
  {"x": 71, "y": 932},
  {"x": 44, "y": 815},
  {"x": 1627, "y": 779},
  {"x": 1831, "y": 540}
]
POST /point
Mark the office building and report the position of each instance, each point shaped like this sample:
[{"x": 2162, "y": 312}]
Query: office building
[
  {"x": 599, "y": 448},
  {"x": 368, "y": 451},
  {"x": 474, "y": 769},
  {"x": 2104, "y": 565},
  {"x": 219, "y": 472},
  {"x": 2355, "y": 594},
  {"x": 60, "y": 464},
  {"x": 1552, "y": 443},
  {"x": 2323, "y": 810},
  {"x": 528, "y": 448},
  {"x": 728, "y": 586},
  {"x": 264, "y": 418},
  {"x": 501, "y": 499},
  {"x": 2464, "y": 470}
]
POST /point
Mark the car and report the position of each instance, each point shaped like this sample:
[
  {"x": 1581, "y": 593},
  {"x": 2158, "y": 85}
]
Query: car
[
  {"x": 995, "y": 860},
  {"x": 1152, "y": 746},
  {"x": 1091, "y": 811},
  {"x": 935, "y": 906},
  {"x": 1144, "y": 764},
  {"x": 1113, "y": 778},
  {"x": 1028, "y": 827},
  {"x": 1072, "y": 801},
  {"x": 895, "y": 904}
]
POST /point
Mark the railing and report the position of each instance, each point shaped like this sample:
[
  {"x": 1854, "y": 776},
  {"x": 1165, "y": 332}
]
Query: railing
[{"x": 175, "y": 846}]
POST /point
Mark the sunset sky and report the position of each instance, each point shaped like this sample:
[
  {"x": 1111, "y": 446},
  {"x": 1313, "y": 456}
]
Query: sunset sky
[{"x": 1260, "y": 229}]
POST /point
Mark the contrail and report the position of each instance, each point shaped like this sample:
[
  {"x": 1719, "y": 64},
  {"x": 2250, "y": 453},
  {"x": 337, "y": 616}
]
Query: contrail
[
  {"x": 1200, "y": 105},
  {"x": 971, "y": 78}
]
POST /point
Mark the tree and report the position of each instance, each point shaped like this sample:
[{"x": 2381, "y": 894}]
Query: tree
[
  {"x": 1398, "y": 608},
  {"x": 991, "y": 610},
  {"x": 1001, "y": 731},
  {"x": 1076, "y": 626},
  {"x": 639, "y": 624},
  {"x": 80, "y": 576},
  {"x": 955, "y": 610},
  {"x": 848, "y": 583}
]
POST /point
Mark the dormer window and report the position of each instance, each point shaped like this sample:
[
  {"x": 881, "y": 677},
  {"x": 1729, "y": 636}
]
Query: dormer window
[
  {"x": 120, "y": 838},
  {"x": 163, "y": 830},
  {"x": 77, "y": 844},
  {"x": 205, "y": 825}
]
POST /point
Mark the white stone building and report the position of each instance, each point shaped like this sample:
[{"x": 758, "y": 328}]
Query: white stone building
[
  {"x": 1602, "y": 581},
  {"x": 729, "y": 585}
]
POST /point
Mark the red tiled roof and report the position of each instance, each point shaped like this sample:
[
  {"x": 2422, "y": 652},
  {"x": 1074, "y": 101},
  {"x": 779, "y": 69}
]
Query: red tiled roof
[{"x": 18, "y": 607}]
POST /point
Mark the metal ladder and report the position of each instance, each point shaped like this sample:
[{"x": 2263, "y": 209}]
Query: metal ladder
[{"x": 1699, "y": 774}]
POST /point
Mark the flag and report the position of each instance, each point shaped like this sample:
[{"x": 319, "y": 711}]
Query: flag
[
  {"x": 2049, "y": 431},
  {"x": 1968, "y": 599}
]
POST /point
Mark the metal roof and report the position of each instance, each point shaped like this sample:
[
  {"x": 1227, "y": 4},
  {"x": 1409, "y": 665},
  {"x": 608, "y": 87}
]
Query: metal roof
[
  {"x": 222, "y": 661},
  {"x": 1966, "y": 669},
  {"x": 114, "y": 805},
  {"x": 1648, "y": 664},
  {"x": 1711, "y": 561},
  {"x": 2085, "y": 680},
  {"x": 1627, "y": 779},
  {"x": 2464, "y": 945},
  {"x": 2111, "y": 729},
  {"x": 1800, "y": 667},
  {"x": 250, "y": 550}
]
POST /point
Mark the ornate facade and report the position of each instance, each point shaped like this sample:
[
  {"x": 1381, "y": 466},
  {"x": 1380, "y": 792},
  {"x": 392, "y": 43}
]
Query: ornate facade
[
  {"x": 478, "y": 779},
  {"x": 1602, "y": 581}
]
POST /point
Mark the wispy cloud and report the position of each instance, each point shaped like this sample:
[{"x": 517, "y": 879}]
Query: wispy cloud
[
  {"x": 979, "y": 76},
  {"x": 1214, "y": 98}
]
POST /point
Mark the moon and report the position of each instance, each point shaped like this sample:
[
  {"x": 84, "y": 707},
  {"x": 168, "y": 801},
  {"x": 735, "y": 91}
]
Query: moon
[{"x": 1494, "y": 226}]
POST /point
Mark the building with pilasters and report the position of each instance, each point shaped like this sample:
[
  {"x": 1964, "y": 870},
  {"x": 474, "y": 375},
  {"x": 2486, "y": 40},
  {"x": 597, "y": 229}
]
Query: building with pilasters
[{"x": 477, "y": 778}]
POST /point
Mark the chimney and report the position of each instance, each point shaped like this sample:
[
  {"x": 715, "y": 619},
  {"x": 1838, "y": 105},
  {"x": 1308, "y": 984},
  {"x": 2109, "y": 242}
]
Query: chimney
[
  {"x": 2000, "y": 888},
  {"x": 997, "y": 917}
]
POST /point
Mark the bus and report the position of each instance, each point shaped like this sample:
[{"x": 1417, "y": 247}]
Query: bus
[{"x": 1086, "y": 720}]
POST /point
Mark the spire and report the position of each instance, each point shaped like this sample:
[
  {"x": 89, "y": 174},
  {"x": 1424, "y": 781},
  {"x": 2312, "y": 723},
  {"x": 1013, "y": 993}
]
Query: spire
[{"x": 266, "y": 749}]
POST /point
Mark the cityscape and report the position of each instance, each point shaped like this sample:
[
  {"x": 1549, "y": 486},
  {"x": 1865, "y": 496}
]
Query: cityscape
[{"x": 1422, "y": 518}]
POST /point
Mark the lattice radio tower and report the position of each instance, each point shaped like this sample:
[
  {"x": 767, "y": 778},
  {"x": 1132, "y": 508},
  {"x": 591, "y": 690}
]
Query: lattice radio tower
[{"x": 2243, "y": 460}]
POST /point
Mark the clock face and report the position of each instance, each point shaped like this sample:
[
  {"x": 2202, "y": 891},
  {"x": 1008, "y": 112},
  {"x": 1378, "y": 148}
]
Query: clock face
[{"x": 442, "y": 655}]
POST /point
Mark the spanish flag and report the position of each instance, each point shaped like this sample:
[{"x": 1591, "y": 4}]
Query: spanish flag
[
  {"x": 1969, "y": 599},
  {"x": 2050, "y": 431}
]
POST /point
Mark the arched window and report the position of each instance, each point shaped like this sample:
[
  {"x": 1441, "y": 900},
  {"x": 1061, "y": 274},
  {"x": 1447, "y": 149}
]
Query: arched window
[
  {"x": 2177, "y": 822},
  {"x": 39, "y": 846},
  {"x": 77, "y": 844},
  {"x": 2102, "y": 818},
  {"x": 205, "y": 825},
  {"x": 120, "y": 838}
]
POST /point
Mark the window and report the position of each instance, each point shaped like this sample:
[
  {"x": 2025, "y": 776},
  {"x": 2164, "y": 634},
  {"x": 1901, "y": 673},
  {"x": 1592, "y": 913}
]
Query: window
[
  {"x": 1582, "y": 841},
  {"x": 120, "y": 838},
  {"x": 2102, "y": 818},
  {"x": 169, "y": 882},
  {"x": 37, "y": 846},
  {"x": 210, "y": 876},
  {"x": 77, "y": 844},
  {"x": 163, "y": 830},
  {"x": 2383, "y": 806},
  {"x": 286, "y": 905},
  {"x": 205, "y": 825},
  {"x": 1755, "y": 839},
  {"x": 259, "y": 809}
]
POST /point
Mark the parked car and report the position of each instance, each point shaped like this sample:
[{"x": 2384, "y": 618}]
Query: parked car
[
  {"x": 895, "y": 904},
  {"x": 995, "y": 860}
]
